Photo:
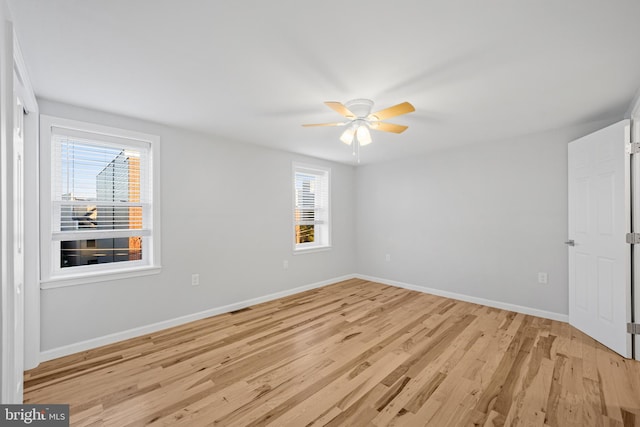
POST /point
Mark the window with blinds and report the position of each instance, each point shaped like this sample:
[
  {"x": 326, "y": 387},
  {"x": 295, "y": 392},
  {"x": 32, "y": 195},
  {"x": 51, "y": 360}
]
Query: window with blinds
[
  {"x": 311, "y": 207},
  {"x": 100, "y": 201}
]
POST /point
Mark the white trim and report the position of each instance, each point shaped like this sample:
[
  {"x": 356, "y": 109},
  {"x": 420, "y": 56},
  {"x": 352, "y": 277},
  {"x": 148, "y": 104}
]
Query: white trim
[
  {"x": 87, "y": 128},
  {"x": 634, "y": 108},
  {"x": 311, "y": 249},
  {"x": 154, "y": 327},
  {"x": 98, "y": 276},
  {"x": 32, "y": 241},
  {"x": 58, "y": 236},
  {"x": 7, "y": 366},
  {"x": 328, "y": 226},
  {"x": 29, "y": 97},
  {"x": 467, "y": 298},
  {"x": 50, "y": 272}
]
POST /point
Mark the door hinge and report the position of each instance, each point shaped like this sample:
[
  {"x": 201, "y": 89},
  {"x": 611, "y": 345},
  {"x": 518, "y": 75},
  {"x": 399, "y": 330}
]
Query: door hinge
[
  {"x": 633, "y": 328},
  {"x": 633, "y": 238},
  {"x": 632, "y": 148}
]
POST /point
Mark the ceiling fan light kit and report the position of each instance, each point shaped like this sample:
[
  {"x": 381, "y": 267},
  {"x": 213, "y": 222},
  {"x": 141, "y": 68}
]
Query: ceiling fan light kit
[
  {"x": 363, "y": 134},
  {"x": 360, "y": 120},
  {"x": 348, "y": 135}
]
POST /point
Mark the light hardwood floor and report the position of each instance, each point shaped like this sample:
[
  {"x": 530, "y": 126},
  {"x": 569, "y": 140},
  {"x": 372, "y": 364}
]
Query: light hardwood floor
[{"x": 353, "y": 353}]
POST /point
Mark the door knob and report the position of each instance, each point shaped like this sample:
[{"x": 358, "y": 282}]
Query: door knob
[{"x": 570, "y": 243}]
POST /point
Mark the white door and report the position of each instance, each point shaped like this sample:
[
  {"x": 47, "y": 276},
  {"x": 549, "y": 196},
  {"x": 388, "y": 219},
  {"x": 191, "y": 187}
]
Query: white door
[{"x": 599, "y": 218}]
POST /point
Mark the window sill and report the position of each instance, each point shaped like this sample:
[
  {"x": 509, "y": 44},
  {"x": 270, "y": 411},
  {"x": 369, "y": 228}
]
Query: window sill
[
  {"x": 300, "y": 251},
  {"x": 85, "y": 279}
]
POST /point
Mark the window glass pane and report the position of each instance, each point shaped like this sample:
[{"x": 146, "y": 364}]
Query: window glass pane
[
  {"x": 97, "y": 187},
  {"x": 305, "y": 207},
  {"x": 88, "y": 171},
  {"x": 74, "y": 253},
  {"x": 78, "y": 217},
  {"x": 109, "y": 176},
  {"x": 305, "y": 233}
]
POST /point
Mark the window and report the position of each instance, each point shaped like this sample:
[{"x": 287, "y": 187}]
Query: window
[
  {"x": 311, "y": 207},
  {"x": 98, "y": 200}
]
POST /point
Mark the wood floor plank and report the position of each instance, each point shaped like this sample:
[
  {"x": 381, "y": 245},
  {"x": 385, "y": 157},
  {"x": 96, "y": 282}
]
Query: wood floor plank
[{"x": 354, "y": 353}]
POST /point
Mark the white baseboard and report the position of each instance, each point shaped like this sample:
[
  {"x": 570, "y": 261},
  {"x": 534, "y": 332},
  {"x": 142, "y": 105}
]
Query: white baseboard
[
  {"x": 482, "y": 301},
  {"x": 54, "y": 353},
  {"x": 155, "y": 327}
]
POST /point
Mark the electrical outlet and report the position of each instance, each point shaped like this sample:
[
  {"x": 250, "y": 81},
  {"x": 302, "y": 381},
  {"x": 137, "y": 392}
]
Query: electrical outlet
[
  {"x": 195, "y": 279},
  {"x": 543, "y": 278},
  {"x": 387, "y": 257},
  {"x": 285, "y": 264}
]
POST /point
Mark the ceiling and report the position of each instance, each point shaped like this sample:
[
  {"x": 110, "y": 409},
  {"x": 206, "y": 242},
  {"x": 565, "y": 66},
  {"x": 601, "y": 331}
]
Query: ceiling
[{"x": 254, "y": 70}]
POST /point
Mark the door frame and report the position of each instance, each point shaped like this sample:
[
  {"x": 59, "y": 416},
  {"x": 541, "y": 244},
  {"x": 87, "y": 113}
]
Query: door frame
[
  {"x": 12, "y": 315},
  {"x": 9, "y": 371},
  {"x": 635, "y": 226},
  {"x": 633, "y": 113}
]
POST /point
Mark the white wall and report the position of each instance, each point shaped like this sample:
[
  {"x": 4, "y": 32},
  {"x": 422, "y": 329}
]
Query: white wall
[
  {"x": 480, "y": 221},
  {"x": 226, "y": 214}
]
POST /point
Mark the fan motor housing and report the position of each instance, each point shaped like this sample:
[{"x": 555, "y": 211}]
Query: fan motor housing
[{"x": 360, "y": 107}]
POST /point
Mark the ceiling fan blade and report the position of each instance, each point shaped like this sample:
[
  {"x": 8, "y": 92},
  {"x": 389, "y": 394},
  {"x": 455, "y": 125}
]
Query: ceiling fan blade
[
  {"x": 388, "y": 127},
  {"x": 396, "y": 110},
  {"x": 340, "y": 109},
  {"x": 325, "y": 124}
]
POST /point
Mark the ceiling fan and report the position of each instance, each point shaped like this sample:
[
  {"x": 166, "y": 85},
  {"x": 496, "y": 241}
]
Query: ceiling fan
[{"x": 361, "y": 119}]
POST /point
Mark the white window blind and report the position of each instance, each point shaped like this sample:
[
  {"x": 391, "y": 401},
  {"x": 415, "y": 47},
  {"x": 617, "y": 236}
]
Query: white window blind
[
  {"x": 311, "y": 207},
  {"x": 99, "y": 188}
]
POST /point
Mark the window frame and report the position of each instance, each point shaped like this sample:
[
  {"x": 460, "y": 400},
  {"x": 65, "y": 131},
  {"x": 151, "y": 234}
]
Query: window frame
[
  {"x": 52, "y": 276},
  {"x": 325, "y": 243}
]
